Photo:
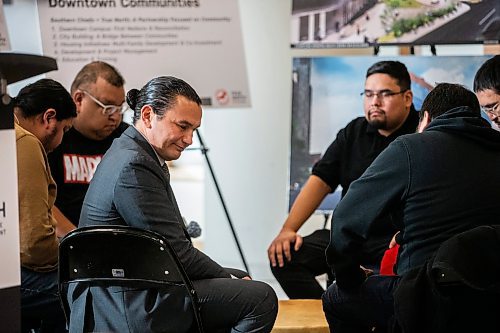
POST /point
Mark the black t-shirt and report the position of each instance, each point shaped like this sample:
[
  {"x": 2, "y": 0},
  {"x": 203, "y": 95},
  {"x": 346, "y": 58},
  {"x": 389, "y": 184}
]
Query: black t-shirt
[
  {"x": 73, "y": 164},
  {"x": 346, "y": 159}
]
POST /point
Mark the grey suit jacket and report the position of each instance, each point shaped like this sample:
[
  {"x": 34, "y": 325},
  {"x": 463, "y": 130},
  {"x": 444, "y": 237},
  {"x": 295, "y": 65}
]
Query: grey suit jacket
[{"x": 130, "y": 188}]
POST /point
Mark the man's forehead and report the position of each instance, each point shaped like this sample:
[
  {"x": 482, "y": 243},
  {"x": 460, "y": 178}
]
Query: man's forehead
[
  {"x": 487, "y": 96},
  {"x": 188, "y": 113},
  {"x": 191, "y": 121},
  {"x": 105, "y": 91},
  {"x": 381, "y": 80},
  {"x": 102, "y": 82}
]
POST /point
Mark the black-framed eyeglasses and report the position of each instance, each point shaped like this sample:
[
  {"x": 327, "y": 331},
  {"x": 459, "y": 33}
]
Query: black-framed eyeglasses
[
  {"x": 492, "y": 110},
  {"x": 108, "y": 109},
  {"x": 382, "y": 94}
]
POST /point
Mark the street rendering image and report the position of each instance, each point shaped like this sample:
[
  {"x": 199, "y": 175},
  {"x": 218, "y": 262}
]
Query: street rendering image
[{"x": 330, "y": 23}]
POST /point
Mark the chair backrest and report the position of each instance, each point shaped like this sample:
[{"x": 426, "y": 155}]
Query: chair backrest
[
  {"x": 466, "y": 271},
  {"x": 471, "y": 258},
  {"x": 457, "y": 290},
  {"x": 115, "y": 255}
]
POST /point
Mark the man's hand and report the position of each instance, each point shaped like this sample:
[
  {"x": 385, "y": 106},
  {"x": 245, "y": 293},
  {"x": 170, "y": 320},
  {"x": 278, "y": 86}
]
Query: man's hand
[
  {"x": 247, "y": 277},
  {"x": 64, "y": 225},
  {"x": 281, "y": 246},
  {"x": 393, "y": 242},
  {"x": 368, "y": 271}
]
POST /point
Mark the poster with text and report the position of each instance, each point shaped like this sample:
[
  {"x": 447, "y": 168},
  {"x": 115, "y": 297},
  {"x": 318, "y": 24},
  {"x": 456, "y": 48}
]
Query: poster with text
[
  {"x": 4, "y": 33},
  {"x": 199, "y": 41},
  {"x": 326, "y": 97},
  {"x": 9, "y": 213}
]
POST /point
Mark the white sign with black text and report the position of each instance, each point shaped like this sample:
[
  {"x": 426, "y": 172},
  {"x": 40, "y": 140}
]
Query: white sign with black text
[
  {"x": 9, "y": 216},
  {"x": 4, "y": 33},
  {"x": 199, "y": 41}
]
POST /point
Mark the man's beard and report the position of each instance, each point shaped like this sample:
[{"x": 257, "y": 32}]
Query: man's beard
[
  {"x": 49, "y": 139},
  {"x": 378, "y": 123}
]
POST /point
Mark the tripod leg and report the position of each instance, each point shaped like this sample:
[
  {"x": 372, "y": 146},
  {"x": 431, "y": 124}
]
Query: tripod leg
[{"x": 204, "y": 151}]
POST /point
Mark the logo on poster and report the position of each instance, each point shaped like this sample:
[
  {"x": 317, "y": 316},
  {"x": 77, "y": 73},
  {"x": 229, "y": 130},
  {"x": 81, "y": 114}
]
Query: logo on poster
[{"x": 222, "y": 96}]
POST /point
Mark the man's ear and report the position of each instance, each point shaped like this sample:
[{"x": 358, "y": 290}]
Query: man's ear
[
  {"x": 408, "y": 98},
  {"x": 77, "y": 98},
  {"x": 147, "y": 115},
  {"x": 48, "y": 116},
  {"x": 424, "y": 122}
]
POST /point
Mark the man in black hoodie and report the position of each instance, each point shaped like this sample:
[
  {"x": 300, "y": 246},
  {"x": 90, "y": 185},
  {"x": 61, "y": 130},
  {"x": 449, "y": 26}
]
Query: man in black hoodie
[{"x": 444, "y": 181}]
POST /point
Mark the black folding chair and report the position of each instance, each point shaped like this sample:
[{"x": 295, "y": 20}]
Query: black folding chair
[
  {"x": 456, "y": 290},
  {"x": 112, "y": 255}
]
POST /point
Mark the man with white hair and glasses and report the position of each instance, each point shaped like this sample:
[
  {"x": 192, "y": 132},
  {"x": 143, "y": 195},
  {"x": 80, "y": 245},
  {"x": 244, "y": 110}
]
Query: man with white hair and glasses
[
  {"x": 487, "y": 89},
  {"x": 99, "y": 94}
]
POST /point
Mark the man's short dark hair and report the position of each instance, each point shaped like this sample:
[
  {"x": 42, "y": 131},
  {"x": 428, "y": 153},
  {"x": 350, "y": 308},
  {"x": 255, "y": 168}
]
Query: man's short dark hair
[
  {"x": 447, "y": 96},
  {"x": 488, "y": 76},
  {"x": 395, "y": 69},
  {"x": 44, "y": 94},
  {"x": 90, "y": 72},
  {"x": 161, "y": 94}
]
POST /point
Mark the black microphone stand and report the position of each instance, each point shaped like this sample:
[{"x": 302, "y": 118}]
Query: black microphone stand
[{"x": 204, "y": 151}]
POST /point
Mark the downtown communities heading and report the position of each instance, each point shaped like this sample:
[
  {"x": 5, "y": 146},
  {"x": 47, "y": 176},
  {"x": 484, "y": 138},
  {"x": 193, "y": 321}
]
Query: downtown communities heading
[{"x": 123, "y": 3}]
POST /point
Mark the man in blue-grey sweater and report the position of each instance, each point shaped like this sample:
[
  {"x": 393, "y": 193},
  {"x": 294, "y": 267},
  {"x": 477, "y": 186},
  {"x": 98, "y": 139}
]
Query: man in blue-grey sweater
[{"x": 444, "y": 181}]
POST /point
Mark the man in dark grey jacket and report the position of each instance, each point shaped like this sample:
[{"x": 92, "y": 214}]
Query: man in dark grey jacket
[
  {"x": 443, "y": 180},
  {"x": 132, "y": 187}
]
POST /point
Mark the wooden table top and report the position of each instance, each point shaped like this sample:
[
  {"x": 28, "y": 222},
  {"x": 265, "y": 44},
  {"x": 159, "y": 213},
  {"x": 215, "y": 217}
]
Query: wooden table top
[{"x": 300, "y": 315}]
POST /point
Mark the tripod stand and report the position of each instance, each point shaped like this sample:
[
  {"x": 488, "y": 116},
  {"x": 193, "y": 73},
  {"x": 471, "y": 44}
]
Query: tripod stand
[{"x": 204, "y": 151}]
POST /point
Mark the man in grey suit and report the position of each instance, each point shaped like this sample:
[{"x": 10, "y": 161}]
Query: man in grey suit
[{"x": 131, "y": 187}]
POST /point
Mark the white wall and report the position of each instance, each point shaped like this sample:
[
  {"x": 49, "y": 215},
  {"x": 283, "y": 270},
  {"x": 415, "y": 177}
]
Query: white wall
[
  {"x": 24, "y": 32},
  {"x": 249, "y": 148}
]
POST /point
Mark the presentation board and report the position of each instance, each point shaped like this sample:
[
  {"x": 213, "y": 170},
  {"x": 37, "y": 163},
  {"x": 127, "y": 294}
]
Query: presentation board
[
  {"x": 9, "y": 226},
  {"x": 199, "y": 41},
  {"x": 326, "y": 97},
  {"x": 4, "y": 33},
  {"x": 10, "y": 278}
]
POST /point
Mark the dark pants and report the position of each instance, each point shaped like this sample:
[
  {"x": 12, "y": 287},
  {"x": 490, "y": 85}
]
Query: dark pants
[
  {"x": 362, "y": 309},
  {"x": 233, "y": 305},
  {"x": 298, "y": 277},
  {"x": 226, "y": 305},
  {"x": 40, "y": 305}
]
